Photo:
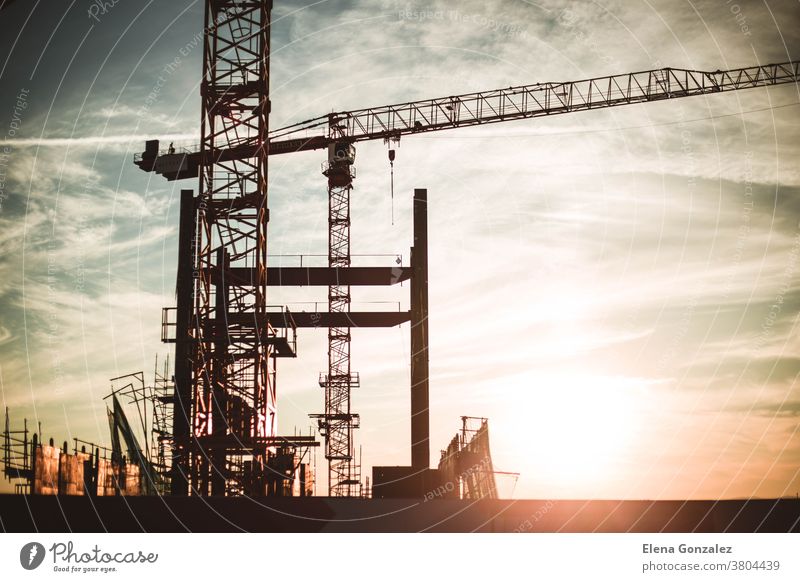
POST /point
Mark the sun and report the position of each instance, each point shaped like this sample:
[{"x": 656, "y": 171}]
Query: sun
[{"x": 579, "y": 428}]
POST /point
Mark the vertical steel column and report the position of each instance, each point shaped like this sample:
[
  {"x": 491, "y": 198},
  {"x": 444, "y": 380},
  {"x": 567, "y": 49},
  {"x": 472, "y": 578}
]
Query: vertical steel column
[
  {"x": 182, "y": 397},
  {"x": 219, "y": 396},
  {"x": 420, "y": 422}
]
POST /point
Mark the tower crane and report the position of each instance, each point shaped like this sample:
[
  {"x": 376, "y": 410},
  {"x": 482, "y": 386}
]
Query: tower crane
[{"x": 225, "y": 403}]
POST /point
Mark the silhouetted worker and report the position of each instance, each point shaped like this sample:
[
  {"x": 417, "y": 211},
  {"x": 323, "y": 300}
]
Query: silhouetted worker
[{"x": 171, "y": 147}]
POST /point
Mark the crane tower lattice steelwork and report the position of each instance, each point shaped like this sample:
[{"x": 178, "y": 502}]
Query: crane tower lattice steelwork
[
  {"x": 338, "y": 421},
  {"x": 232, "y": 393}
]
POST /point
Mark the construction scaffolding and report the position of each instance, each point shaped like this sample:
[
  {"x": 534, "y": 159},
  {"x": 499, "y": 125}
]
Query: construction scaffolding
[
  {"x": 467, "y": 461},
  {"x": 142, "y": 397},
  {"x": 162, "y": 396},
  {"x": 37, "y": 468},
  {"x": 17, "y": 460}
]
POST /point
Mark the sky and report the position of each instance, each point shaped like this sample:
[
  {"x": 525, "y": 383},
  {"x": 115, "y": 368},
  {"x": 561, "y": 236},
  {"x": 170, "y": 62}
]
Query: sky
[{"x": 616, "y": 290}]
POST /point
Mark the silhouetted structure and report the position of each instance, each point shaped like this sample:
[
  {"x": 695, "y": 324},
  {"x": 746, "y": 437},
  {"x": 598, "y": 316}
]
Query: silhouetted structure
[
  {"x": 44, "y": 469},
  {"x": 232, "y": 165}
]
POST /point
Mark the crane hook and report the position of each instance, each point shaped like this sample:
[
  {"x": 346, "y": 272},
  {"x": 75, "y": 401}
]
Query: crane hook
[{"x": 391, "y": 183}]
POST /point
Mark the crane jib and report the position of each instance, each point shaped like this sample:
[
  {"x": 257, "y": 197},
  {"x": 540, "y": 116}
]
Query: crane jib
[{"x": 513, "y": 103}]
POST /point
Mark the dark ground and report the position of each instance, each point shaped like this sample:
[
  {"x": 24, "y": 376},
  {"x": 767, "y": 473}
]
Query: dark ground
[{"x": 20, "y": 513}]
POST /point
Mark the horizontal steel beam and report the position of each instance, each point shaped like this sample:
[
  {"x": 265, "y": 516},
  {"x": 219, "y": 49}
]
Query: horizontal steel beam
[
  {"x": 319, "y": 319},
  {"x": 318, "y": 276},
  {"x": 238, "y": 442},
  {"x": 186, "y": 164},
  {"x": 327, "y": 276},
  {"x": 337, "y": 319}
]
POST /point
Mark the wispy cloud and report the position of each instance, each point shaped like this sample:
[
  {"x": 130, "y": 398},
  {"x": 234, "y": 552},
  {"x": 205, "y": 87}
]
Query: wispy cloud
[{"x": 93, "y": 141}]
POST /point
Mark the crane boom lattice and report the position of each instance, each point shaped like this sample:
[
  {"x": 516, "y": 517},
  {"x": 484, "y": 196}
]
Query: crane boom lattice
[{"x": 483, "y": 107}]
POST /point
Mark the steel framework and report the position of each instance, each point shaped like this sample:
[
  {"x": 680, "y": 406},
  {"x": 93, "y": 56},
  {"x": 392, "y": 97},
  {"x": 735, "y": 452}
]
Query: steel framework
[
  {"x": 338, "y": 422},
  {"x": 162, "y": 395},
  {"x": 233, "y": 379},
  {"x": 536, "y": 100},
  {"x": 17, "y": 453}
]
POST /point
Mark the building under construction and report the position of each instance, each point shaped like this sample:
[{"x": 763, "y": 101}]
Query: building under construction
[{"x": 213, "y": 415}]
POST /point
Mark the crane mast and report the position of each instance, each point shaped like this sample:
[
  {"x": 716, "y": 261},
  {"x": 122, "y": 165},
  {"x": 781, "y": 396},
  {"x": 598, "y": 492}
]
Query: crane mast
[
  {"x": 338, "y": 422},
  {"x": 225, "y": 406}
]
